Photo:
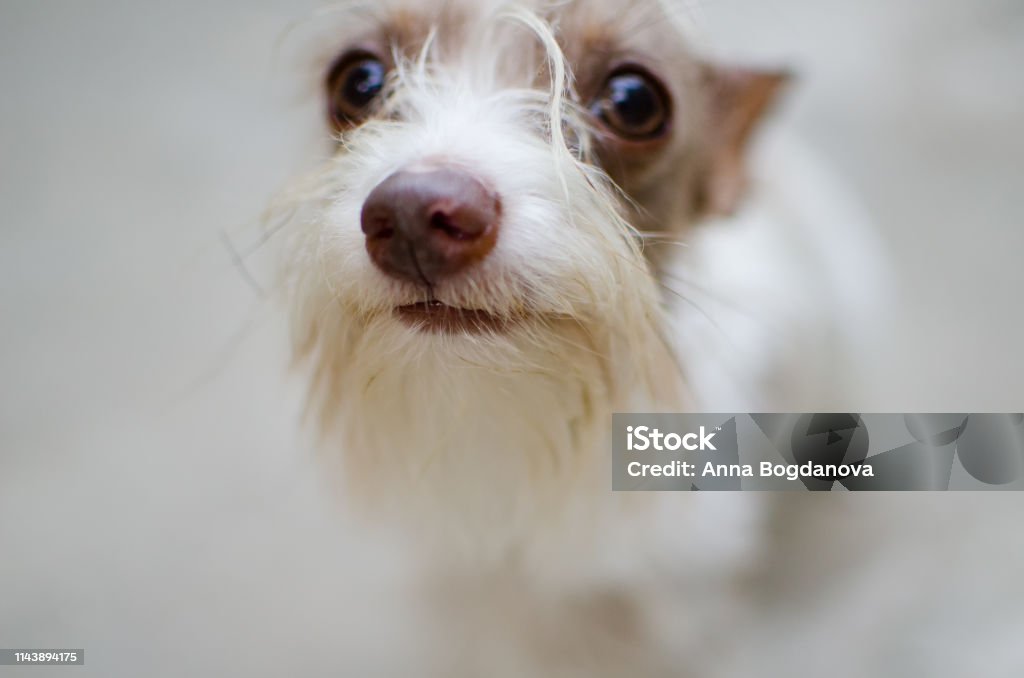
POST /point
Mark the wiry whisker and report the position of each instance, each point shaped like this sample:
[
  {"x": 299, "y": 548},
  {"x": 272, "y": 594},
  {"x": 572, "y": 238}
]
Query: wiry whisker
[
  {"x": 268, "y": 233},
  {"x": 695, "y": 305},
  {"x": 659, "y": 235},
  {"x": 666, "y": 241},
  {"x": 730, "y": 303},
  {"x": 239, "y": 264}
]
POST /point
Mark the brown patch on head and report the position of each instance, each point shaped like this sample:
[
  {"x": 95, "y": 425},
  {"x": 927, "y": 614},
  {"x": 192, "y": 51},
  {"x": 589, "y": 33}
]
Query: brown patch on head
[{"x": 407, "y": 27}]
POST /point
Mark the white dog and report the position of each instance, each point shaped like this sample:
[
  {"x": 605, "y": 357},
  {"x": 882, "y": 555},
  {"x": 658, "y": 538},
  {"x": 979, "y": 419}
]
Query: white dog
[{"x": 541, "y": 213}]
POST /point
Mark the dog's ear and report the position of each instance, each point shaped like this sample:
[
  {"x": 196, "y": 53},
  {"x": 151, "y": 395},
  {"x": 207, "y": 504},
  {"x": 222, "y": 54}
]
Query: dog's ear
[{"x": 739, "y": 99}]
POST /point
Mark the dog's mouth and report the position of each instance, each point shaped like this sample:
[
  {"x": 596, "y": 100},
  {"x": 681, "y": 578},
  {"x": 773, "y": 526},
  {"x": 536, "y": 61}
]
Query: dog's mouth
[{"x": 434, "y": 316}]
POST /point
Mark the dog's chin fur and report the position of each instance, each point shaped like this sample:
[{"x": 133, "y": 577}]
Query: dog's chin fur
[{"x": 477, "y": 441}]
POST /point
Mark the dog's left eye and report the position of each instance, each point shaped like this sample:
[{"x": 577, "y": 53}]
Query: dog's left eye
[
  {"x": 634, "y": 105},
  {"x": 353, "y": 85}
]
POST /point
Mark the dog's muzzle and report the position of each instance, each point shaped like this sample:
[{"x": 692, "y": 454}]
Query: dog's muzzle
[{"x": 424, "y": 225}]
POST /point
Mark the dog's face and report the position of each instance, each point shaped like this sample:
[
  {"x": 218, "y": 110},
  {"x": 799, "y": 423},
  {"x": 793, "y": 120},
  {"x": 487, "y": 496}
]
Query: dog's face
[{"x": 500, "y": 169}]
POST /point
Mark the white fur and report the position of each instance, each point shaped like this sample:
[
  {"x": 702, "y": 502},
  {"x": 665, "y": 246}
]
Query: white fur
[{"x": 785, "y": 301}]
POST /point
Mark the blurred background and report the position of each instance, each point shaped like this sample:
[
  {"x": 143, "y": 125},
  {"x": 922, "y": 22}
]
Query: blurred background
[{"x": 155, "y": 507}]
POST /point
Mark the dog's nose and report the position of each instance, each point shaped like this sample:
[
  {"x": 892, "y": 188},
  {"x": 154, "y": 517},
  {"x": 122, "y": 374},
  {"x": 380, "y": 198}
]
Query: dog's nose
[{"x": 425, "y": 225}]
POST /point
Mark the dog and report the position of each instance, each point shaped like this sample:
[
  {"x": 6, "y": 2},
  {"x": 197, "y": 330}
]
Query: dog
[{"x": 538, "y": 214}]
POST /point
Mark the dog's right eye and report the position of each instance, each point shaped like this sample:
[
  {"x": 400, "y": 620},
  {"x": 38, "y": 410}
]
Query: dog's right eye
[
  {"x": 633, "y": 105},
  {"x": 353, "y": 85}
]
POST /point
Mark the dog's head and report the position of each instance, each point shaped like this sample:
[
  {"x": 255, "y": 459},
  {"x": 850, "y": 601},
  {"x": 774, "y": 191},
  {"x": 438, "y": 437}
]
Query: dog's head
[{"x": 501, "y": 171}]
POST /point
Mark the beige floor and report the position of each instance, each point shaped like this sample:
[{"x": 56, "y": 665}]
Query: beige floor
[{"x": 150, "y": 488}]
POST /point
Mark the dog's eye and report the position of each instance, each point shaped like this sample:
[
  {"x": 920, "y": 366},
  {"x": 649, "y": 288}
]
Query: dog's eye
[
  {"x": 633, "y": 105},
  {"x": 353, "y": 85}
]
